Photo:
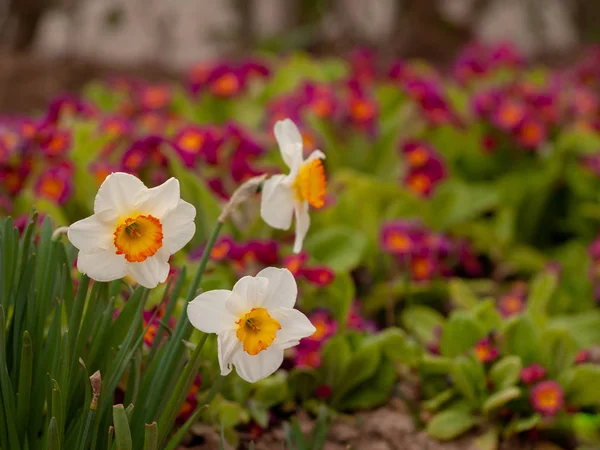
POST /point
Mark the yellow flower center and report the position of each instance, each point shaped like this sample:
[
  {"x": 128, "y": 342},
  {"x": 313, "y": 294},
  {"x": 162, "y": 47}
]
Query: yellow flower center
[
  {"x": 138, "y": 238},
  {"x": 310, "y": 184},
  {"x": 257, "y": 330},
  {"x": 52, "y": 187}
]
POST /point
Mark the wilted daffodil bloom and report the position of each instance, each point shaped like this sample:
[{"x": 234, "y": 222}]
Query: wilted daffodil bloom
[
  {"x": 255, "y": 322},
  {"x": 284, "y": 196},
  {"x": 134, "y": 230}
]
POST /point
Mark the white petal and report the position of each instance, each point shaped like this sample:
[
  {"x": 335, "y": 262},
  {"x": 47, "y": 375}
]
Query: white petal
[
  {"x": 277, "y": 202},
  {"x": 103, "y": 265},
  {"x": 289, "y": 140},
  {"x": 253, "y": 368},
  {"x": 302, "y": 225},
  {"x": 152, "y": 270},
  {"x": 93, "y": 233},
  {"x": 178, "y": 226},
  {"x": 159, "y": 200},
  {"x": 317, "y": 154},
  {"x": 294, "y": 326},
  {"x": 208, "y": 313},
  {"x": 282, "y": 289},
  {"x": 248, "y": 293},
  {"x": 228, "y": 345},
  {"x": 118, "y": 192}
]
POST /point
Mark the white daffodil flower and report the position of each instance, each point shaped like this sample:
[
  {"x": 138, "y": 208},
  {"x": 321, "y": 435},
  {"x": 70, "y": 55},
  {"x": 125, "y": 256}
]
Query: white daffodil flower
[
  {"x": 133, "y": 231},
  {"x": 284, "y": 196},
  {"x": 254, "y": 323}
]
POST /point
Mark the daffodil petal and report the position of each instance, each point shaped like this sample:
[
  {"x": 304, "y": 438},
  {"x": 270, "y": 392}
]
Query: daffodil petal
[
  {"x": 228, "y": 345},
  {"x": 294, "y": 326},
  {"x": 289, "y": 140},
  {"x": 159, "y": 200},
  {"x": 277, "y": 202},
  {"x": 93, "y": 233},
  {"x": 208, "y": 312},
  {"x": 118, "y": 192},
  {"x": 151, "y": 271},
  {"x": 282, "y": 289},
  {"x": 256, "y": 367},
  {"x": 103, "y": 265},
  {"x": 317, "y": 154},
  {"x": 248, "y": 292},
  {"x": 178, "y": 226},
  {"x": 302, "y": 225}
]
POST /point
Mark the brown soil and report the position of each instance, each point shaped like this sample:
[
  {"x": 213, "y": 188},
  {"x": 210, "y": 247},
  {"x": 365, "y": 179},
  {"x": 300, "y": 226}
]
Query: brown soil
[{"x": 387, "y": 428}]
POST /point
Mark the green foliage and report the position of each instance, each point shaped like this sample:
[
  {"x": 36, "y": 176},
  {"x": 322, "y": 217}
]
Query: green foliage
[{"x": 53, "y": 338}]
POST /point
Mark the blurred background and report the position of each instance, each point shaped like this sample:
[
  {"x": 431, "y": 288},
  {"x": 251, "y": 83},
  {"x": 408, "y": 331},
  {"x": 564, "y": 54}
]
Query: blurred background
[{"x": 51, "y": 46}]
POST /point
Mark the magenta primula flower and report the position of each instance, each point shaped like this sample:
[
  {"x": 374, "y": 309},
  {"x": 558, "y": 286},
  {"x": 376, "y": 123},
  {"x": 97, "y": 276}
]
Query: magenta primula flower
[
  {"x": 55, "y": 184},
  {"x": 547, "y": 398},
  {"x": 486, "y": 351},
  {"x": 513, "y": 302},
  {"x": 56, "y": 142},
  {"x": 532, "y": 373},
  {"x": 152, "y": 97},
  {"x": 193, "y": 142},
  {"x": 317, "y": 275},
  {"x": 401, "y": 237}
]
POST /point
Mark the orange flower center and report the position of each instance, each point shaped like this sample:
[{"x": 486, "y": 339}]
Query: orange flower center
[
  {"x": 138, "y": 238},
  {"x": 51, "y": 188},
  {"x": 399, "y": 242},
  {"x": 310, "y": 184},
  {"x": 531, "y": 133},
  {"x": 418, "y": 157},
  {"x": 421, "y": 268},
  {"x": 547, "y": 398},
  {"x": 362, "y": 111},
  {"x": 228, "y": 84},
  {"x": 257, "y": 330},
  {"x": 321, "y": 330},
  {"x": 219, "y": 251},
  {"x": 482, "y": 352},
  {"x": 419, "y": 183},
  {"x": 510, "y": 115},
  {"x": 512, "y": 304},
  {"x": 191, "y": 142}
]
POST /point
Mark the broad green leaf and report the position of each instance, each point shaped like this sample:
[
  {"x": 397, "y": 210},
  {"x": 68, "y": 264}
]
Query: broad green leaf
[
  {"x": 500, "y": 399},
  {"x": 338, "y": 247},
  {"x": 460, "y": 333},
  {"x": 468, "y": 377},
  {"x": 558, "y": 351},
  {"x": 422, "y": 321},
  {"x": 335, "y": 358},
  {"x": 461, "y": 294},
  {"x": 505, "y": 372},
  {"x": 583, "y": 386},
  {"x": 450, "y": 424},
  {"x": 521, "y": 339}
]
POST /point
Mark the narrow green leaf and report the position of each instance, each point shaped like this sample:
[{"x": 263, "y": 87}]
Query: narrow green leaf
[
  {"x": 6, "y": 389},
  {"x": 53, "y": 436},
  {"x": 151, "y": 436},
  {"x": 25, "y": 375},
  {"x": 181, "y": 432},
  {"x": 122, "y": 432}
]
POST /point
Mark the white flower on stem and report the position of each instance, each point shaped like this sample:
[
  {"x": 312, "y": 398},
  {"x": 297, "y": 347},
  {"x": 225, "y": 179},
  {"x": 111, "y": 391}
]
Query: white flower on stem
[
  {"x": 254, "y": 323},
  {"x": 133, "y": 231},
  {"x": 285, "y": 196}
]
